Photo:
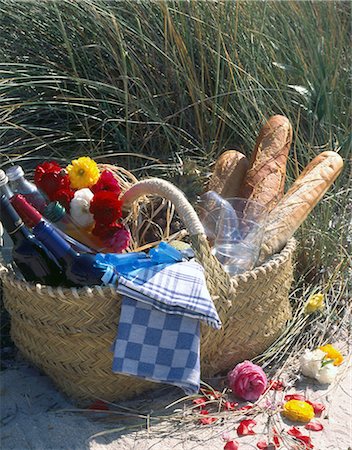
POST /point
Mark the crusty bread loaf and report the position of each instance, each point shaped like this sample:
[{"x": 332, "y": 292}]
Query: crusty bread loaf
[
  {"x": 228, "y": 175},
  {"x": 265, "y": 178},
  {"x": 299, "y": 200}
]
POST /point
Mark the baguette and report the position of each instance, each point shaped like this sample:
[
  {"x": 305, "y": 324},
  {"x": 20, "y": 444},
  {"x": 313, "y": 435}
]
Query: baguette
[
  {"x": 229, "y": 172},
  {"x": 299, "y": 201},
  {"x": 265, "y": 179}
]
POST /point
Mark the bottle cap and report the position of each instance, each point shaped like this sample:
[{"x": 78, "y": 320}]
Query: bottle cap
[
  {"x": 29, "y": 214},
  {"x": 54, "y": 211},
  {"x": 14, "y": 172},
  {"x": 3, "y": 178}
]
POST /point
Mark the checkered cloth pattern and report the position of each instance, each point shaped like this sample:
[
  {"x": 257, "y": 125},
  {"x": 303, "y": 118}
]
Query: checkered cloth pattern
[
  {"x": 172, "y": 288},
  {"x": 157, "y": 346}
]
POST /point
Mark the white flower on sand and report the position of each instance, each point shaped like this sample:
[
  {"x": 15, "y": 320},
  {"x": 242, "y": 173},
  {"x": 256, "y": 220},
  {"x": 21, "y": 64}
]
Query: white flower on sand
[
  {"x": 313, "y": 366},
  {"x": 79, "y": 208},
  {"x": 327, "y": 373}
]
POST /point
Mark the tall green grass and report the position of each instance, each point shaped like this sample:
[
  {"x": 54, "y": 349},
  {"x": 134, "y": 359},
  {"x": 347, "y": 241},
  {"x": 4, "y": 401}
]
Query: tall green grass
[{"x": 150, "y": 84}]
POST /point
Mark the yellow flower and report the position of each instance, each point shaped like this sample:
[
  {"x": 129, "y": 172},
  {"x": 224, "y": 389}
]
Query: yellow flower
[
  {"x": 298, "y": 410},
  {"x": 83, "y": 172},
  {"x": 315, "y": 303},
  {"x": 332, "y": 353}
]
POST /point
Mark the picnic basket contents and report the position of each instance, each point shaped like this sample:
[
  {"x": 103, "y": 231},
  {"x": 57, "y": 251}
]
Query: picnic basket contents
[{"x": 66, "y": 324}]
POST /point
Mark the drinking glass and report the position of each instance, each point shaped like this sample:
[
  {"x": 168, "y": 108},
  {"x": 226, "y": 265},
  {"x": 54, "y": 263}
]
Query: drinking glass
[{"x": 237, "y": 233}]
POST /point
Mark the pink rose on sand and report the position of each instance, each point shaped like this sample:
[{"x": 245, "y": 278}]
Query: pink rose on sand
[{"x": 247, "y": 381}]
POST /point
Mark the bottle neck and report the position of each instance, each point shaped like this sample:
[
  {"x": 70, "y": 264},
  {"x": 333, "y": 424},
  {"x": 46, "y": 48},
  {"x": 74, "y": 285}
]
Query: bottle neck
[
  {"x": 6, "y": 190},
  {"x": 54, "y": 242},
  {"x": 28, "y": 213},
  {"x": 11, "y": 221}
]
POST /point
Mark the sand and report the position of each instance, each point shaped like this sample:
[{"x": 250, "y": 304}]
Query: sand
[{"x": 35, "y": 416}]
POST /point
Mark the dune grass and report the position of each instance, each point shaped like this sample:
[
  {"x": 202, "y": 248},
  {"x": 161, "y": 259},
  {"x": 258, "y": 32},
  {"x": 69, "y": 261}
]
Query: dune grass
[{"x": 155, "y": 85}]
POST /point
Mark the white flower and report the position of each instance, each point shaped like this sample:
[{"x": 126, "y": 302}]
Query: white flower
[
  {"x": 79, "y": 208},
  {"x": 313, "y": 366},
  {"x": 311, "y": 361},
  {"x": 327, "y": 373}
]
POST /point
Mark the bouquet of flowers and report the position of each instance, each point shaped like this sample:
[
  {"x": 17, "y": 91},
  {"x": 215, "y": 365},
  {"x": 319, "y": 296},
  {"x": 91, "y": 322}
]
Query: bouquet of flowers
[{"x": 90, "y": 196}]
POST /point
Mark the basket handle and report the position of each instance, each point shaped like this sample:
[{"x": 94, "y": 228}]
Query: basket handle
[
  {"x": 218, "y": 281},
  {"x": 167, "y": 190}
]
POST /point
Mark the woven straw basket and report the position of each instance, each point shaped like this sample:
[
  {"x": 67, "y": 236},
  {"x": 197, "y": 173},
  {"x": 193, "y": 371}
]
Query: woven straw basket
[{"x": 68, "y": 333}]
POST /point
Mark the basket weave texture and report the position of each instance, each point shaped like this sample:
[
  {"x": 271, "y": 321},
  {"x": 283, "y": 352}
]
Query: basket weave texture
[{"x": 68, "y": 333}]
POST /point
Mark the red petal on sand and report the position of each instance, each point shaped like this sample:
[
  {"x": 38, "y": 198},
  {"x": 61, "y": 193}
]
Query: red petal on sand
[
  {"x": 276, "y": 385},
  {"x": 264, "y": 446},
  {"x": 314, "y": 426},
  {"x": 99, "y": 405},
  {"x": 231, "y": 445},
  {"x": 230, "y": 406},
  {"x": 244, "y": 408},
  {"x": 245, "y": 427},
  {"x": 318, "y": 407},
  {"x": 289, "y": 397},
  {"x": 276, "y": 438},
  {"x": 298, "y": 435},
  {"x": 206, "y": 420},
  {"x": 200, "y": 402}
]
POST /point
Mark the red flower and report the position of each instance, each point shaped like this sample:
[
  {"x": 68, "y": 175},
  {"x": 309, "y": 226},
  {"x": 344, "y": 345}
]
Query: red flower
[
  {"x": 99, "y": 405},
  {"x": 318, "y": 407},
  {"x": 106, "y": 182},
  {"x": 120, "y": 240},
  {"x": 63, "y": 196},
  {"x": 105, "y": 231},
  {"x": 231, "y": 445},
  {"x": 230, "y": 406},
  {"x": 301, "y": 437},
  {"x": 276, "y": 385},
  {"x": 106, "y": 207},
  {"x": 50, "y": 178},
  {"x": 245, "y": 427},
  {"x": 200, "y": 402},
  {"x": 206, "y": 420},
  {"x": 300, "y": 397},
  {"x": 314, "y": 426}
]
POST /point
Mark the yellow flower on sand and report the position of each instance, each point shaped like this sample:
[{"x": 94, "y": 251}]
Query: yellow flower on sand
[
  {"x": 83, "y": 172},
  {"x": 315, "y": 303},
  {"x": 332, "y": 353},
  {"x": 298, "y": 411}
]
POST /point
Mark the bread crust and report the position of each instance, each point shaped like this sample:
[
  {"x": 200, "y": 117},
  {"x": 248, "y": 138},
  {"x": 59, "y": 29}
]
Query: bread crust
[
  {"x": 265, "y": 178},
  {"x": 228, "y": 175},
  {"x": 299, "y": 201}
]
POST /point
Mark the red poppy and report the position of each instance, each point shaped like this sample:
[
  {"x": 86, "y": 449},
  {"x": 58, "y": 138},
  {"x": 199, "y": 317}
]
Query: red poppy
[
  {"x": 106, "y": 182},
  {"x": 314, "y": 426},
  {"x": 200, "y": 402},
  {"x": 300, "y": 397},
  {"x": 99, "y": 405},
  {"x": 245, "y": 427},
  {"x": 45, "y": 168},
  {"x": 231, "y": 445},
  {"x": 64, "y": 197},
  {"x": 52, "y": 179},
  {"x": 206, "y": 420},
  {"x": 318, "y": 407},
  {"x": 301, "y": 437},
  {"x": 106, "y": 207},
  {"x": 276, "y": 385},
  {"x": 106, "y": 231},
  {"x": 230, "y": 406}
]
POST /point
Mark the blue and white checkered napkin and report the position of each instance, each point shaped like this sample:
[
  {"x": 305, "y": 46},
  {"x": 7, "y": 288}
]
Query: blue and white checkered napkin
[
  {"x": 158, "y": 335},
  {"x": 178, "y": 288},
  {"x": 157, "y": 346}
]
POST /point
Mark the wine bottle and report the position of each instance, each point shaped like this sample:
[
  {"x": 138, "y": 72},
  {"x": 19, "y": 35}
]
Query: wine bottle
[
  {"x": 20, "y": 185},
  {"x": 6, "y": 244},
  {"x": 33, "y": 259},
  {"x": 81, "y": 269},
  {"x": 57, "y": 215}
]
